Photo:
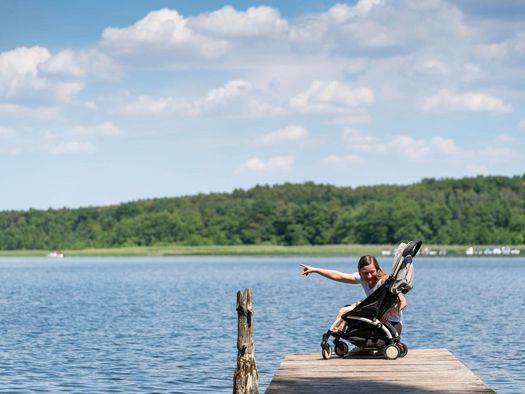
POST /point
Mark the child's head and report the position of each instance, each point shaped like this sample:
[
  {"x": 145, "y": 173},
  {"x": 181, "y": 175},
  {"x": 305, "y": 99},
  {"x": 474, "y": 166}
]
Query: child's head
[{"x": 369, "y": 270}]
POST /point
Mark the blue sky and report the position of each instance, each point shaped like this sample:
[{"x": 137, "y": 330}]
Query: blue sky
[{"x": 106, "y": 102}]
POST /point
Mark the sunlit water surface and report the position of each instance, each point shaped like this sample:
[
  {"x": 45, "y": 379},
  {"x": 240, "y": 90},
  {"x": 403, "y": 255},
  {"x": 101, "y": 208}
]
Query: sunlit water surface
[{"x": 99, "y": 325}]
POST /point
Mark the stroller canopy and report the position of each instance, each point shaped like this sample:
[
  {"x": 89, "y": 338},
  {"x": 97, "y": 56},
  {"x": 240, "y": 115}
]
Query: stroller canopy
[{"x": 402, "y": 268}]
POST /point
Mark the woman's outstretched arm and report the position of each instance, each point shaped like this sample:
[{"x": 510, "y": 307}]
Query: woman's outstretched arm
[{"x": 330, "y": 274}]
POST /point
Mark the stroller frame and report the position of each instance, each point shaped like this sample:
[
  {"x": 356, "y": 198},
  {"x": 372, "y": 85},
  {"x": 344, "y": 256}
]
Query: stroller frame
[{"x": 364, "y": 328}]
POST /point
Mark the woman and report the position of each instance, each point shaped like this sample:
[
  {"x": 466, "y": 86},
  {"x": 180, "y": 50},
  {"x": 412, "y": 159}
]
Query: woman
[{"x": 370, "y": 276}]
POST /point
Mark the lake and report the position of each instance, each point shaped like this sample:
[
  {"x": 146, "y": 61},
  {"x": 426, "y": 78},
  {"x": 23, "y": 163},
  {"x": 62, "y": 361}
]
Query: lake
[{"x": 169, "y": 324}]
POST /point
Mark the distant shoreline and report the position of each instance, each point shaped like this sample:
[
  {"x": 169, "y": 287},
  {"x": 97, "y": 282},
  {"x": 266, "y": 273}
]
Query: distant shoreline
[{"x": 262, "y": 250}]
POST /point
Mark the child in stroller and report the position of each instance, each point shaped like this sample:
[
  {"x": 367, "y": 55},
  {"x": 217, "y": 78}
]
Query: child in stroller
[{"x": 373, "y": 324}]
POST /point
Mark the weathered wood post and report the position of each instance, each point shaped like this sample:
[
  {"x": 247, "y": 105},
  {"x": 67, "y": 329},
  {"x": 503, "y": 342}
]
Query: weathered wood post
[{"x": 245, "y": 376}]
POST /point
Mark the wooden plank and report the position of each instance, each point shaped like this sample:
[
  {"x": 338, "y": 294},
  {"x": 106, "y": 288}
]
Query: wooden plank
[{"x": 421, "y": 371}]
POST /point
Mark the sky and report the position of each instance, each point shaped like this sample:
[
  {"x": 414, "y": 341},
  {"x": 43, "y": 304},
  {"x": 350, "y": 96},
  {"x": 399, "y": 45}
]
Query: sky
[{"x": 103, "y": 102}]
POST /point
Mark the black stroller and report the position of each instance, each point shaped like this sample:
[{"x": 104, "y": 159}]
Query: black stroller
[{"x": 363, "y": 326}]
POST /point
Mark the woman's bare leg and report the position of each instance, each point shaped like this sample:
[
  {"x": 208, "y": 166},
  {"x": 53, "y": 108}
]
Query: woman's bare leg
[{"x": 339, "y": 324}]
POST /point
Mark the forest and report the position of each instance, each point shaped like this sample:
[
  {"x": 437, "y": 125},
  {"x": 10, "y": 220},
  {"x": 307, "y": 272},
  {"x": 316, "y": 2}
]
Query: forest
[{"x": 477, "y": 210}]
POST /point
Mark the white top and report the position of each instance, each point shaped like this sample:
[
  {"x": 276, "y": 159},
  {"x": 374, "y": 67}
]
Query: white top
[{"x": 368, "y": 291}]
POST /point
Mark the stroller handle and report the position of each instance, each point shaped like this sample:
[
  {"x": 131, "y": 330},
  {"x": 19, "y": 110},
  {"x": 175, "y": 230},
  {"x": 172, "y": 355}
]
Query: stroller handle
[{"x": 412, "y": 248}]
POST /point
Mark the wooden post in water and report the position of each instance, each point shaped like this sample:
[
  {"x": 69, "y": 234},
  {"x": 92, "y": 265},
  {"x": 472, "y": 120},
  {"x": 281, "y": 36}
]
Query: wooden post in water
[{"x": 245, "y": 376}]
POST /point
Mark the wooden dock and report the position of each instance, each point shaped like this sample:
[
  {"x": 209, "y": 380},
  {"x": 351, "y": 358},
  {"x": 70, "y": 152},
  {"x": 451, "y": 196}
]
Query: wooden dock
[{"x": 421, "y": 371}]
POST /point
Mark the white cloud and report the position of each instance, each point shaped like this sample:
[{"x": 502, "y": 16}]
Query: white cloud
[
  {"x": 519, "y": 43},
  {"x": 91, "y": 105},
  {"x": 513, "y": 46},
  {"x": 19, "y": 69},
  {"x": 73, "y": 147},
  {"x": 20, "y": 73},
  {"x": 410, "y": 148},
  {"x": 165, "y": 33},
  {"x": 446, "y": 100},
  {"x": 216, "y": 97},
  {"x": 445, "y": 146},
  {"x": 362, "y": 142},
  {"x": 64, "y": 63},
  {"x": 356, "y": 117},
  {"x": 505, "y": 139},
  {"x": 80, "y": 64},
  {"x": 521, "y": 125},
  {"x": 418, "y": 149},
  {"x": 272, "y": 165},
  {"x": 262, "y": 109},
  {"x": 375, "y": 24},
  {"x": 339, "y": 21},
  {"x": 285, "y": 135},
  {"x": 356, "y": 66},
  {"x": 471, "y": 72},
  {"x": 20, "y": 111},
  {"x": 401, "y": 146},
  {"x": 346, "y": 161},
  {"x": 432, "y": 67},
  {"x": 105, "y": 129},
  {"x": 229, "y": 23},
  {"x": 6, "y": 133},
  {"x": 492, "y": 51},
  {"x": 65, "y": 91},
  {"x": 477, "y": 169},
  {"x": 502, "y": 149},
  {"x": 220, "y": 96},
  {"x": 226, "y": 92},
  {"x": 363, "y": 7},
  {"x": 332, "y": 97},
  {"x": 98, "y": 64},
  {"x": 496, "y": 152},
  {"x": 151, "y": 105}
]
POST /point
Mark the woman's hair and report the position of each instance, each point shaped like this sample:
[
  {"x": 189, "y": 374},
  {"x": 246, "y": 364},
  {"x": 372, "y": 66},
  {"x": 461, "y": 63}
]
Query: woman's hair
[{"x": 367, "y": 260}]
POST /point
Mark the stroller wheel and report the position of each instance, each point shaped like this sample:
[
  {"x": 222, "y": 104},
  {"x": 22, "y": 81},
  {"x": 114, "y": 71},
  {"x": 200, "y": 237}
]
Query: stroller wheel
[
  {"x": 392, "y": 352},
  {"x": 327, "y": 352},
  {"x": 341, "y": 349},
  {"x": 403, "y": 349}
]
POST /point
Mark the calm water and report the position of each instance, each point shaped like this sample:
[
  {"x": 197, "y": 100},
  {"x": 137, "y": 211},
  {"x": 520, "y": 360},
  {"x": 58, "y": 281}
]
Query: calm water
[{"x": 89, "y": 325}]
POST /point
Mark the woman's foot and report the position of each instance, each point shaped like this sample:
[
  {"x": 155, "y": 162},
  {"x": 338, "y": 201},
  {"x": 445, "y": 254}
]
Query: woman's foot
[{"x": 339, "y": 330}]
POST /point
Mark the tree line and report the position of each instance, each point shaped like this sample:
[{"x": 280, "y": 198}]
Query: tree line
[{"x": 478, "y": 210}]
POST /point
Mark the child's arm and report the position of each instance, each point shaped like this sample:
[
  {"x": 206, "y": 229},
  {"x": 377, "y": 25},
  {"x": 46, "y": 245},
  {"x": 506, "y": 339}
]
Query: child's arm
[
  {"x": 402, "y": 302},
  {"x": 330, "y": 274}
]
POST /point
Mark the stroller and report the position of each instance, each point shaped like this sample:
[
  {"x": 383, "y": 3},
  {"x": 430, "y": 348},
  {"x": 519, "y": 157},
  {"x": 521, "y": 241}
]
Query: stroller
[{"x": 363, "y": 326}]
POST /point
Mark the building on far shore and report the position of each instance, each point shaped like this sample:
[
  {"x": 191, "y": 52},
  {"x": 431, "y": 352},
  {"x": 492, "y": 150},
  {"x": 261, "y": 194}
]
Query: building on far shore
[{"x": 492, "y": 251}]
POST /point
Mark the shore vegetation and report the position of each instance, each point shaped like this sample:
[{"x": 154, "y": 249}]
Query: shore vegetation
[{"x": 307, "y": 217}]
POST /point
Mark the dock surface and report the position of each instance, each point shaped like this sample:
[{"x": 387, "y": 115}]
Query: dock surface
[{"x": 421, "y": 371}]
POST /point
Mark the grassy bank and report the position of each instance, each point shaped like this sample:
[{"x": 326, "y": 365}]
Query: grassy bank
[{"x": 250, "y": 250}]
